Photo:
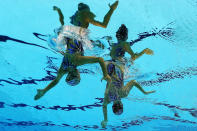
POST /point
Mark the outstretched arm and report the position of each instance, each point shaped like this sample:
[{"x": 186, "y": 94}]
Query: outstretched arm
[
  {"x": 126, "y": 89},
  {"x": 128, "y": 49},
  {"x": 61, "y": 16},
  {"x": 145, "y": 51},
  {"x": 134, "y": 56},
  {"x": 104, "y": 122},
  {"x": 105, "y": 103},
  {"x": 106, "y": 18}
]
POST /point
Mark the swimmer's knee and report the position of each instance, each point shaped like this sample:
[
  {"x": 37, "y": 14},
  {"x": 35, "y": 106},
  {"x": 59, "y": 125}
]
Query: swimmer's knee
[
  {"x": 133, "y": 82},
  {"x": 100, "y": 59}
]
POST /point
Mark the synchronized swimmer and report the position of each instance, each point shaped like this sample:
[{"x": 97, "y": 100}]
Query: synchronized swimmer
[
  {"x": 74, "y": 54},
  {"x": 71, "y": 40},
  {"x": 116, "y": 90}
]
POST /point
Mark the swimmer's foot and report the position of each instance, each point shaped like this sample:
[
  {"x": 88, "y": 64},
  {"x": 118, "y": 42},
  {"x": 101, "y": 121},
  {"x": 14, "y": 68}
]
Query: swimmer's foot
[{"x": 39, "y": 94}]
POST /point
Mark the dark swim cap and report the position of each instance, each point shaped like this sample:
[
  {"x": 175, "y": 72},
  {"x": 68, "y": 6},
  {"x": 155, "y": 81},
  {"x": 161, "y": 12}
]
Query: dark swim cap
[
  {"x": 117, "y": 108},
  {"x": 122, "y": 33},
  {"x": 82, "y": 6},
  {"x": 73, "y": 78}
]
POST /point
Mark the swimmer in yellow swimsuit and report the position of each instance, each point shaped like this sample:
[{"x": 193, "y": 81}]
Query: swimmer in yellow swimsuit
[{"x": 74, "y": 54}]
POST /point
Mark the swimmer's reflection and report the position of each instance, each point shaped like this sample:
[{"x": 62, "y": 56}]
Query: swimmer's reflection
[{"x": 116, "y": 90}]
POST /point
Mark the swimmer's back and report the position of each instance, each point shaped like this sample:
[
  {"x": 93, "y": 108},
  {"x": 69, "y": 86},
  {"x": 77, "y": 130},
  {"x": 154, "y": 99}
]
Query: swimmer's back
[{"x": 118, "y": 50}]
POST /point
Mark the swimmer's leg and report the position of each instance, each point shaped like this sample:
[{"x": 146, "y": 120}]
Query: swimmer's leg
[
  {"x": 82, "y": 60},
  {"x": 41, "y": 92},
  {"x": 126, "y": 89},
  {"x": 61, "y": 16}
]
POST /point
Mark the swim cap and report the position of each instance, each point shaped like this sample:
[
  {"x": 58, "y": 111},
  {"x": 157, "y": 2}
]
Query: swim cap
[
  {"x": 73, "y": 78},
  {"x": 117, "y": 108},
  {"x": 122, "y": 33}
]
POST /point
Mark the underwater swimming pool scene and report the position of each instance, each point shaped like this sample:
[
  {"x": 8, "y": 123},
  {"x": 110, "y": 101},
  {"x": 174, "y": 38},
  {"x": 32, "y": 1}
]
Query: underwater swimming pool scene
[{"x": 28, "y": 63}]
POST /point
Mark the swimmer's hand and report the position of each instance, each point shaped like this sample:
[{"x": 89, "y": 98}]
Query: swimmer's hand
[
  {"x": 55, "y": 8},
  {"x": 104, "y": 123},
  {"x": 39, "y": 94},
  {"x": 149, "y": 92},
  {"x": 107, "y": 78},
  {"x": 148, "y": 51},
  {"x": 114, "y": 5}
]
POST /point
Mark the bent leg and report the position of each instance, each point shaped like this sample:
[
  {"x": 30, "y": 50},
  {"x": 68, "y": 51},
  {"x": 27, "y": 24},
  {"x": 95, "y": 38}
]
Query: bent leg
[
  {"x": 41, "y": 92},
  {"x": 82, "y": 60}
]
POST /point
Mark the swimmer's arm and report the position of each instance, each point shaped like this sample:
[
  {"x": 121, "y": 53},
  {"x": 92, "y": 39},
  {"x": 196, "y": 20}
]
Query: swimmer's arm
[
  {"x": 137, "y": 55},
  {"x": 128, "y": 49},
  {"x": 61, "y": 16},
  {"x": 106, "y": 18},
  {"x": 134, "y": 56},
  {"x": 145, "y": 51},
  {"x": 104, "y": 122},
  {"x": 105, "y": 111},
  {"x": 126, "y": 89},
  {"x": 105, "y": 103}
]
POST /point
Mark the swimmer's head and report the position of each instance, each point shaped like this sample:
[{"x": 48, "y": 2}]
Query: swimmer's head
[
  {"x": 82, "y": 6},
  {"x": 73, "y": 77},
  {"x": 122, "y": 33},
  {"x": 117, "y": 107}
]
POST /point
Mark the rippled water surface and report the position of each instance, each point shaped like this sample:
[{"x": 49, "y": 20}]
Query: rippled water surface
[{"x": 168, "y": 27}]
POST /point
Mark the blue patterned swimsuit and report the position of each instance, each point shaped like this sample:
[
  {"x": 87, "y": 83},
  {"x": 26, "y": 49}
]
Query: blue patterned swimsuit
[
  {"x": 72, "y": 48},
  {"x": 119, "y": 51},
  {"x": 117, "y": 82}
]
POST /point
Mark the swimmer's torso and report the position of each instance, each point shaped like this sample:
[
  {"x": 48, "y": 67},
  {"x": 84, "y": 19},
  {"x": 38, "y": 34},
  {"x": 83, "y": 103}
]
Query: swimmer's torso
[
  {"x": 117, "y": 51},
  {"x": 117, "y": 82},
  {"x": 74, "y": 47}
]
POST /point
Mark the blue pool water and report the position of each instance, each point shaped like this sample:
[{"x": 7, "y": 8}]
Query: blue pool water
[{"x": 168, "y": 27}]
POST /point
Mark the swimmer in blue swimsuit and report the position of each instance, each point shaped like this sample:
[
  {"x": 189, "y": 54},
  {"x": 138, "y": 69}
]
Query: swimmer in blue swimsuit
[
  {"x": 116, "y": 90},
  {"x": 118, "y": 49},
  {"x": 74, "y": 55}
]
